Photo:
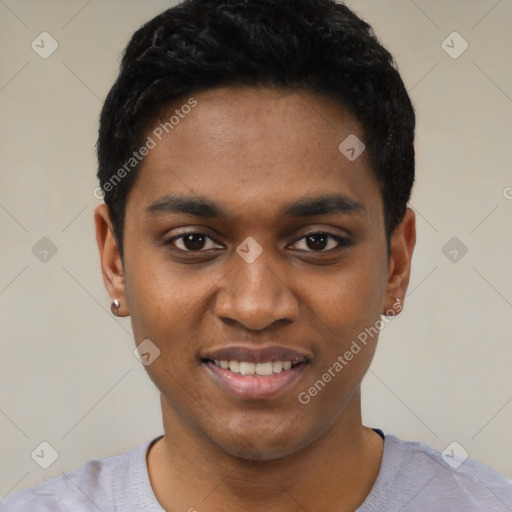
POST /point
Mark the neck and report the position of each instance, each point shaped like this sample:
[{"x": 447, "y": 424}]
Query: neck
[{"x": 335, "y": 472}]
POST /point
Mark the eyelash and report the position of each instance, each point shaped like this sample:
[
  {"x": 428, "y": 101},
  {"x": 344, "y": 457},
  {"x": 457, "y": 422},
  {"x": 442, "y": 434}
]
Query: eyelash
[{"x": 341, "y": 241}]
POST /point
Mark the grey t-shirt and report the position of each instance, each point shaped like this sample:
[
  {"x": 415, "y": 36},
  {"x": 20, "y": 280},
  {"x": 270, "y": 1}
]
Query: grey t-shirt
[{"x": 413, "y": 478}]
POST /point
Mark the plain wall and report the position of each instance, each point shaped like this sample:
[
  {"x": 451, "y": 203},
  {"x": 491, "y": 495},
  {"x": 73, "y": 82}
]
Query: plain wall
[{"x": 68, "y": 376}]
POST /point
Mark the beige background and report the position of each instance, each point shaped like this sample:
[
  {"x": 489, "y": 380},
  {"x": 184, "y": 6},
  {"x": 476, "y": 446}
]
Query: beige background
[{"x": 67, "y": 373}]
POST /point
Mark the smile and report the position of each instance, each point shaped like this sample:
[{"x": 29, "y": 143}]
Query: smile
[
  {"x": 255, "y": 381},
  {"x": 248, "y": 368},
  {"x": 250, "y": 372}
]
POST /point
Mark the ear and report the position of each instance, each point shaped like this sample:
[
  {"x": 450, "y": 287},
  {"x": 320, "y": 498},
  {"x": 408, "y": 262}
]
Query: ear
[
  {"x": 110, "y": 258},
  {"x": 402, "y": 243}
]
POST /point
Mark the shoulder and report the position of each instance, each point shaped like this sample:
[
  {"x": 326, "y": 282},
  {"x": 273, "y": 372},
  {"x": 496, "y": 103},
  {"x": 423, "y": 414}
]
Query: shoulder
[
  {"x": 417, "y": 476},
  {"x": 91, "y": 487}
]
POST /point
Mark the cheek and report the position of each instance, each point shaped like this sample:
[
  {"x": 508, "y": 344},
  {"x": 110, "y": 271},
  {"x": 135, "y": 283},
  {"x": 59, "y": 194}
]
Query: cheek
[
  {"x": 157, "y": 298},
  {"x": 347, "y": 316},
  {"x": 168, "y": 305},
  {"x": 335, "y": 387},
  {"x": 350, "y": 299}
]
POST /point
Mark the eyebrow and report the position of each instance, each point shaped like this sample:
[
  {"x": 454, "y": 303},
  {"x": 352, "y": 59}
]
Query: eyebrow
[
  {"x": 177, "y": 203},
  {"x": 323, "y": 205},
  {"x": 305, "y": 207}
]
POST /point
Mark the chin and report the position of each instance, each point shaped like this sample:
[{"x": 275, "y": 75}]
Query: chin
[
  {"x": 257, "y": 452},
  {"x": 270, "y": 441}
]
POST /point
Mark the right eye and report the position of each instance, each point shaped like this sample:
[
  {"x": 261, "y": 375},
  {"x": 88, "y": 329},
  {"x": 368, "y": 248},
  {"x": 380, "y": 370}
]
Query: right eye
[{"x": 193, "y": 242}]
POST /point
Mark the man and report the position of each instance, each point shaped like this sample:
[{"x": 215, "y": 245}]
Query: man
[{"x": 257, "y": 159}]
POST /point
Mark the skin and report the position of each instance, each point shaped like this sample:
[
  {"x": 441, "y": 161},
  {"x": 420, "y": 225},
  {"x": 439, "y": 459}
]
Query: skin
[{"x": 254, "y": 151}]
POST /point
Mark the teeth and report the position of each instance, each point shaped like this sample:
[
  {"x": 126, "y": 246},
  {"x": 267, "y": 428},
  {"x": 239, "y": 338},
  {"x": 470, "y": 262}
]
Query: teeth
[
  {"x": 247, "y": 368},
  {"x": 264, "y": 368},
  {"x": 277, "y": 366}
]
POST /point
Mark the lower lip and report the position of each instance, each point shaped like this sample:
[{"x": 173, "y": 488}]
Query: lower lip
[{"x": 254, "y": 387}]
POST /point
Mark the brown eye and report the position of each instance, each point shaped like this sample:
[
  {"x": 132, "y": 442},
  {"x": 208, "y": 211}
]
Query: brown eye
[
  {"x": 317, "y": 242},
  {"x": 321, "y": 242},
  {"x": 193, "y": 242}
]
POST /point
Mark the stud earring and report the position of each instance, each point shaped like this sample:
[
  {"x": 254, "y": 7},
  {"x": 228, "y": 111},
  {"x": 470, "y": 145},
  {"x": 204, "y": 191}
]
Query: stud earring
[{"x": 114, "y": 307}]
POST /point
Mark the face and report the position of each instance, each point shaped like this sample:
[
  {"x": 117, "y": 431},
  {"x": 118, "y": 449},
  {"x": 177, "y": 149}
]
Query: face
[{"x": 254, "y": 256}]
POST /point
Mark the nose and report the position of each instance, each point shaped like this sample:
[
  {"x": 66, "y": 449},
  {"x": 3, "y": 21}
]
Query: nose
[{"x": 255, "y": 296}]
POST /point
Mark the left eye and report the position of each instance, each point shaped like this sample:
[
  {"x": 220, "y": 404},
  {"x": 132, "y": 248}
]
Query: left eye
[
  {"x": 321, "y": 242},
  {"x": 191, "y": 242}
]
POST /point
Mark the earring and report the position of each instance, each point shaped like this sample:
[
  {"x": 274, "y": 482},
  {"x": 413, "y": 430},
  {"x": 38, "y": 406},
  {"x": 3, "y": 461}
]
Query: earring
[{"x": 114, "y": 307}]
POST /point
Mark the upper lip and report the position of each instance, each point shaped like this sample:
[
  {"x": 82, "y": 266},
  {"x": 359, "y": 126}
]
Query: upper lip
[{"x": 255, "y": 354}]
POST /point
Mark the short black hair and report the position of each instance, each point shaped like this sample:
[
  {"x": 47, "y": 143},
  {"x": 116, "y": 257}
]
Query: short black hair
[{"x": 315, "y": 45}]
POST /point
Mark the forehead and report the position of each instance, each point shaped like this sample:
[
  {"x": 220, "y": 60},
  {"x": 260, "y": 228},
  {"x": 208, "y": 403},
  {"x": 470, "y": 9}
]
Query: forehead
[{"x": 261, "y": 147}]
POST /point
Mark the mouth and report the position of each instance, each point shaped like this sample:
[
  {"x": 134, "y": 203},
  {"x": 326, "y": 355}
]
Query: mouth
[
  {"x": 250, "y": 374},
  {"x": 261, "y": 369}
]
